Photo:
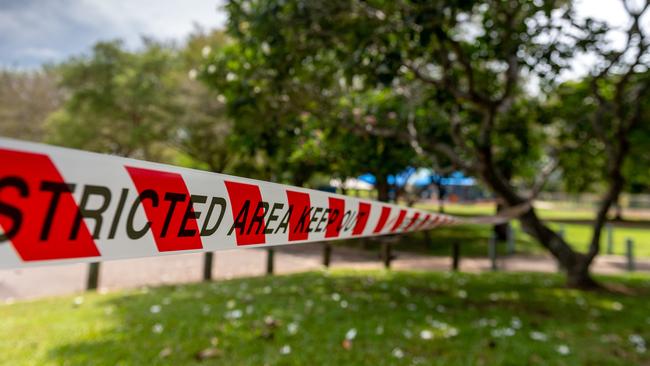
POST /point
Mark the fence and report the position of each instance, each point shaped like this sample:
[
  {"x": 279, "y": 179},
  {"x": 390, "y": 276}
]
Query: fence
[{"x": 386, "y": 255}]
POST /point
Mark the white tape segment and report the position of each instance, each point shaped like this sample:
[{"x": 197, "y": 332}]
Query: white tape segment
[{"x": 61, "y": 205}]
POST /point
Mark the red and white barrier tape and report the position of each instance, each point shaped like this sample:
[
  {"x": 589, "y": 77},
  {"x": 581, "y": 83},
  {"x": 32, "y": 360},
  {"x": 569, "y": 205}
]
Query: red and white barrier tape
[{"x": 61, "y": 205}]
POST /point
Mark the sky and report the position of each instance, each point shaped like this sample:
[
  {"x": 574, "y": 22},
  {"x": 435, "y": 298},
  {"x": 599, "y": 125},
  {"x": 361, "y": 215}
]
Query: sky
[{"x": 33, "y": 32}]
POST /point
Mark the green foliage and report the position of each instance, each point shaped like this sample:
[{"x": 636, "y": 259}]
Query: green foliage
[
  {"x": 582, "y": 157},
  {"x": 357, "y": 49},
  {"x": 203, "y": 133},
  {"x": 26, "y": 100},
  {"x": 582, "y": 130},
  {"x": 120, "y": 102}
]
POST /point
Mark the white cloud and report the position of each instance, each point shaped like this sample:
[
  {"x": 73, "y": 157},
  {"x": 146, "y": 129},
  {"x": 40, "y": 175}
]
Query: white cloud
[{"x": 37, "y": 31}]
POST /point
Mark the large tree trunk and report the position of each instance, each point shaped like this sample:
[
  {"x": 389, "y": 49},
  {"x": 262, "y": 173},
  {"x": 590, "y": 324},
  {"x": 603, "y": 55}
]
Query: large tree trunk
[
  {"x": 575, "y": 264},
  {"x": 501, "y": 230},
  {"x": 382, "y": 188}
]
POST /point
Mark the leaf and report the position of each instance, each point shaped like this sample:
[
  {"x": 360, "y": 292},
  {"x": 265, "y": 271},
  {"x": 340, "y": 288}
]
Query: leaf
[
  {"x": 347, "y": 344},
  {"x": 207, "y": 353},
  {"x": 165, "y": 352}
]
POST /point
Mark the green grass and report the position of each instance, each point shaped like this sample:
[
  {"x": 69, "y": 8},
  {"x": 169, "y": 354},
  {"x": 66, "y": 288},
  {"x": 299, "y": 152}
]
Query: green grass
[
  {"x": 488, "y": 319},
  {"x": 579, "y": 236},
  {"x": 474, "y": 238},
  {"x": 484, "y": 209}
]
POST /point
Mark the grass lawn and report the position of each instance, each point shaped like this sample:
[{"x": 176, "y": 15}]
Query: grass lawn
[
  {"x": 474, "y": 238},
  {"x": 372, "y": 318},
  {"x": 483, "y": 209}
]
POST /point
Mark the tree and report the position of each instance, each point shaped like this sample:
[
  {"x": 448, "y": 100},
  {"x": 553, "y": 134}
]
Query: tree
[
  {"x": 604, "y": 118},
  {"x": 202, "y": 130},
  {"x": 26, "y": 99},
  {"x": 118, "y": 102},
  {"x": 353, "y": 152},
  {"x": 472, "y": 59}
]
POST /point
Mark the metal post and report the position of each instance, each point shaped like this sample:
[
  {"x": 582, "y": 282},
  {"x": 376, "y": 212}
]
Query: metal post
[
  {"x": 455, "y": 255},
  {"x": 327, "y": 254},
  {"x": 560, "y": 233},
  {"x": 93, "y": 276},
  {"x": 630, "y": 254},
  {"x": 492, "y": 251},
  {"x": 269, "y": 261},
  {"x": 511, "y": 239},
  {"x": 610, "y": 238},
  {"x": 207, "y": 266},
  {"x": 386, "y": 254}
]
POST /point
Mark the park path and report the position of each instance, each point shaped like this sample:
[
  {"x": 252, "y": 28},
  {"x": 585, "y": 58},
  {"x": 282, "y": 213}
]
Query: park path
[{"x": 30, "y": 283}]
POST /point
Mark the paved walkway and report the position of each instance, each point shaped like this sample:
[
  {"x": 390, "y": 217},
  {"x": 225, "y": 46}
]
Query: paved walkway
[{"x": 66, "y": 279}]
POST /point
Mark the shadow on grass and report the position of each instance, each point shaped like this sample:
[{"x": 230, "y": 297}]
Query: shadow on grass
[
  {"x": 388, "y": 318},
  {"x": 473, "y": 240}
]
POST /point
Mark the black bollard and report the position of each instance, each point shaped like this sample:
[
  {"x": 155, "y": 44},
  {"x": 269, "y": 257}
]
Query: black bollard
[
  {"x": 386, "y": 254},
  {"x": 455, "y": 254},
  {"x": 207, "y": 266},
  {"x": 269, "y": 261},
  {"x": 327, "y": 254},
  {"x": 93, "y": 276},
  {"x": 629, "y": 243}
]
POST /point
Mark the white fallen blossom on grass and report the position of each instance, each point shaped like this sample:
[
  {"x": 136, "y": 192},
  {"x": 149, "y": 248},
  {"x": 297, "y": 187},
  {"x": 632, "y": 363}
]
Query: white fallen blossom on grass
[
  {"x": 426, "y": 334},
  {"x": 344, "y": 304},
  {"x": 538, "y": 336},
  {"x": 617, "y": 306},
  {"x": 166, "y": 301},
  {"x": 563, "y": 349},
  {"x": 483, "y": 322},
  {"x": 407, "y": 334},
  {"x": 285, "y": 350},
  {"x": 234, "y": 314},
  {"x": 397, "y": 353},
  {"x": 351, "y": 334},
  {"x": 515, "y": 323},
  {"x": 157, "y": 328},
  {"x": 231, "y": 304},
  {"x": 502, "y": 332},
  {"x": 462, "y": 294},
  {"x": 379, "y": 330},
  {"x": 638, "y": 342},
  {"x": 336, "y": 297},
  {"x": 155, "y": 309},
  {"x": 292, "y": 328},
  {"x": 441, "y": 328},
  {"x": 78, "y": 300},
  {"x": 165, "y": 352}
]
